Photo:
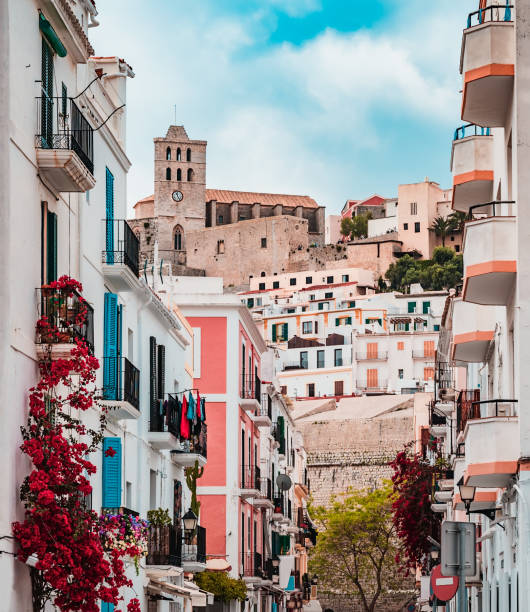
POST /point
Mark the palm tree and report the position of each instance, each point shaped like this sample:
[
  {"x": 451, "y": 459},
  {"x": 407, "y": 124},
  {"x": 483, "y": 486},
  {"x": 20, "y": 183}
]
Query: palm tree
[
  {"x": 442, "y": 226},
  {"x": 458, "y": 220}
]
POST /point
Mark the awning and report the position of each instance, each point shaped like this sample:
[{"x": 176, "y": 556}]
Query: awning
[
  {"x": 199, "y": 597},
  {"x": 51, "y": 36},
  {"x": 169, "y": 588},
  {"x": 312, "y": 606},
  {"x": 159, "y": 572}
]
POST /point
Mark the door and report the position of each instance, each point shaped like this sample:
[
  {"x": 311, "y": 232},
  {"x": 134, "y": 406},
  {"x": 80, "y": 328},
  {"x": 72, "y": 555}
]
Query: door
[
  {"x": 371, "y": 350},
  {"x": 372, "y": 379},
  {"x": 339, "y": 387},
  {"x": 428, "y": 348}
]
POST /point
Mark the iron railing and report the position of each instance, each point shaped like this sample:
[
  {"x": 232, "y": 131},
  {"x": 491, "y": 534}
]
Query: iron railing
[
  {"x": 380, "y": 385},
  {"x": 296, "y": 365},
  {"x": 492, "y": 13},
  {"x": 252, "y": 564},
  {"x": 61, "y": 312},
  {"x": 122, "y": 246},
  {"x": 265, "y": 408},
  {"x": 376, "y": 356},
  {"x": 266, "y": 488},
  {"x": 251, "y": 387},
  {"x": 498, "y": 208},
  {"x": 164, "y": 417},
  {"x": 464, "y": 406},
  {"x": 63, "y": 126},
  {"x": 121, "y": 510},
  {"x": 492, "y": 408},
  {"x": 470, "y": 129},
  {"x": 194, "y": 546},
  {"x": 279, "y": 503},
  {"x": 164, "y": 545},
  {"x": 250, "y": 477},
  {"x": 423, "y": 354},
  {"x": 121, "y": 381}
]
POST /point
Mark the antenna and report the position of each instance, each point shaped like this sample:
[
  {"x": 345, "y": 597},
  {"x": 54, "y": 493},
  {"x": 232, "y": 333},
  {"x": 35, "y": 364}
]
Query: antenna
[{"x": 284, "y": 482}]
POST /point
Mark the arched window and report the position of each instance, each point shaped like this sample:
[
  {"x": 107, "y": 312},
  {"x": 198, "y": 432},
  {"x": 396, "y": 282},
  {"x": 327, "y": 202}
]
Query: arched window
[
  {"x": 168, "y": 174},
  {"x": 179, "y": 174},
  {"x": 179, "y": 238},
  {"x": 188, "y": 154},
  {"x": 190, "y": 174},
  {"x": 179, "y": 155},
  {"x": 263, "y": 274},
  {"x": 168, "y": 153}
]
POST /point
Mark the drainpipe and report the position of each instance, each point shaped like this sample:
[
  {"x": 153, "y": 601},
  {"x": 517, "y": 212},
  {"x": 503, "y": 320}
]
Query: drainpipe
[{"x": 525, "y": 538}]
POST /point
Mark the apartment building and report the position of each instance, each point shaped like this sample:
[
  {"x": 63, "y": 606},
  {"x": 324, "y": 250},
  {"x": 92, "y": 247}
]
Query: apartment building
[
  {"x": 64, "y": 171},
  {"x": 482, "y": 387}
]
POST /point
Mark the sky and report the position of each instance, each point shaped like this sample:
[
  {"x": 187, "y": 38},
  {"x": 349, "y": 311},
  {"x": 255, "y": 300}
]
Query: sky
[{"x": 336, "y": 99}]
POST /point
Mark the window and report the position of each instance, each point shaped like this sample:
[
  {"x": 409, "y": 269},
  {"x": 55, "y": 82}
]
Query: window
[
  {"x": 49, "y": 245},
  {"x": 321, "y": 359},
  {"x": 188, "y": 155},
  {"x": 428, "y": 373},
  {"x": 436, "y": 327},
  {"x": 168, "y": 174},
  {"x": 179, "y": 174},
  {"x": 413, "y": 208},
  {"x": 428, "y": 348},
  {"x": 400, "y": 346},
  {"x": 264, "y": 243},
  {"x": 339, "y": 387},
  {"x": 372, "y": 349},
  {"x": 304, "y": 360},
  {"x": 426, "y": 307},
  {"x": 190, "y": 174},
  {"x": 351, "y": 304},
  {"x": 258, "y": 301},
  {"x": 452, "y": 238},
  {"x": 179, "y": 154},
  {"x": 405, "y": 226},
  {"x": 311, "y": 298},
  {"x": 280, "y": 332},
  {"x": 261, "y": 286},
  {"x": 179, "y": 238},
  {"x": 321, "y": 305},
  {"x": 329, "y": 279},
  {"x": 220, "y": 247},
  {"x": 250, "y": 302},
  {"x": 316, "y": 327},
  {"x": 262, "y": 274},
  {"x": 338, "y": 357},
  {"x": 275, "y": 284},
  {"x": 400, "y": 373},
  {"x": 417, "y": 227},
  {"x": 411, "y": 307},
  {"x": 292, "y": 281},
  {"x": 307, "y": 327},
  {"x": 308, "y": 280},
  {"x": 220, "y": 219},
  {"x": 345, "y": 278},
  {"x": 328, "y": 295},
  {"x": 291, "y": 310},
  {"x": 311, "y": 390},
  {"x": 168, "y": 154},
  {"x": 457, "y": 248}
]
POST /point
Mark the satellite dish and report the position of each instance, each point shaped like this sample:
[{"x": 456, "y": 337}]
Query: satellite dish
[{"x": 284, "y": 482}]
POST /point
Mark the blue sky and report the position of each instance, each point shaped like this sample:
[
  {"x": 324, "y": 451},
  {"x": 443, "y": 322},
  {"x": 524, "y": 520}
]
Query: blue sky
[{"x": 336, "y": 99}]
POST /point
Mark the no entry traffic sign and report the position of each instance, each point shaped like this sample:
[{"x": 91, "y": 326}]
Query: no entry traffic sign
[{"x": 444, "y": 587}]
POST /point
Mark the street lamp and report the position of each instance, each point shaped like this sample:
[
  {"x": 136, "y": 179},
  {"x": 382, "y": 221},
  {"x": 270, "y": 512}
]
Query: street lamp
[
  {"x": 467, "y": 495},
  {"x": 190, "y": 521}
]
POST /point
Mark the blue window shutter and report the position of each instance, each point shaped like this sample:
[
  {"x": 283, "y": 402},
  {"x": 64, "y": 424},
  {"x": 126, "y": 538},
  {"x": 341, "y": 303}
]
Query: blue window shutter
[
  {"x": 112, "y": 474},
  {"x": 107, "y": 607},
  {"x": 110, "y": 347},
  {"x": 109, "y": 215},
  {"x": 118, "y": 360}
]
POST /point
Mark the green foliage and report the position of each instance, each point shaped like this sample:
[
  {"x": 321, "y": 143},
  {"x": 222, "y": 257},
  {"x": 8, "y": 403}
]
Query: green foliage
[
  {"x": 192, "y": 475},
  {"x": 458, "y": 219},
  {"x": 356, "y": 227},
  {"x": 443, "y": 271},
  {"x": 159, "y": 517},
  {"x": 442, "y": 226},
  {"x": 356, "y": 546},
  {"x": 346, "y": 226},
  {"x": 223, "y": 587}
]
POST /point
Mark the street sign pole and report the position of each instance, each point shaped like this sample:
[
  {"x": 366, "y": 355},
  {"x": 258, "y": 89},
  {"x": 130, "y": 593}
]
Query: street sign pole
[{"x": 461, "y": 568}]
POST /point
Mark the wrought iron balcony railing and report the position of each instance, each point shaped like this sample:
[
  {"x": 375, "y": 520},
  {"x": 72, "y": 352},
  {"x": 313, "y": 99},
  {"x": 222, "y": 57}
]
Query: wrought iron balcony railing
[
  {"x": 164, "y": 546},
  {"x": 61, "y": 312},
  {"x": 251, "y": 387},
  {"x": 121, "y": 381},
  {"x": 63, "y": 126},
  {"x": 194, "y": 546},
  {"x": 250, "y": 477},
  {"x": 470, "y": 129},
  {"x": 266, "y": 488},
  {"x": 122, "y": 246},
  {"x": 494, "y": 12}
]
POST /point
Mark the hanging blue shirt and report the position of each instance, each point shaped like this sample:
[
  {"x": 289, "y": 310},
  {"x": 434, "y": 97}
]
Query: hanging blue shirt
[{"x": 191, "y": 407}]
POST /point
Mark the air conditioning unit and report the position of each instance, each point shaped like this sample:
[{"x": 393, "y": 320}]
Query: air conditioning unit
[{"x": 447, "y": 395}]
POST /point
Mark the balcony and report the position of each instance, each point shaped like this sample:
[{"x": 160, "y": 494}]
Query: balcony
[
  {"x": 264, "y": 500},
  {"x": 250, "y": 393},
  {"x": 121, "y": 255},
  {"x": 250, "y": 486},
  {"x": 422, "y": 354},
  {"x": 61, "y": 312},
  {"x": 371, "y": 356},
  {"x": 252, "y": 569},
  {"x": 262, "y": 416},
  {"x": 472, "y": 166},
  {"x": 487, "y": 65},
  {"x": 297, "y": 365},
  {"x": 375, "y": 387},
  {"x": 473, "y": 330},
  {"x": 164, "y": 546},
  {"x": 491, "y": 443},
  {"x": 279, "y": 511},
  {"x": 64, "y": 145},
  {"x": 164, "y": 424},
  {"x": 279, "y": 438},
  {"x": 121, "y": 388},
  {"x": 192, "y": 451},
  {"x": 194, "y": 550},
  {"x": 490, "y": 256}
]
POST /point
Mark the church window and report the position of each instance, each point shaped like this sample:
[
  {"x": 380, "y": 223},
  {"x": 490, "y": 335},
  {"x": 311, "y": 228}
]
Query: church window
[
  {"x": 220, "y": 247},
  {"x": 179, "y": 154},
  {"x": 188, "y": 154},
  {"x": 179, "y": 174},
  {"x": 190, "y": 174},
  {"x": 168, "y": 174},
  {"x": 179, "y": 238},
  {"x": 168, "y": 154}
]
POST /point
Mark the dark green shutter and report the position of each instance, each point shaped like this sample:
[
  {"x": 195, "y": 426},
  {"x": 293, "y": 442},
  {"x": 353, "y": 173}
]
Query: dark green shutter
[
  {"x": 411, "y": 307},
  {"x": 153, "y": 384},
  {"x": 348, "y": 320},
  {"x": 407, "y": 326},
  {"x": 426, "y": 306},
  {"x": 274, "y": 332},
  {"x": 46, "y": 118},
  {"x": 285, "y": 331},
  {"x": 51, "y": 247},
  {"x": 161, "y": 366}
]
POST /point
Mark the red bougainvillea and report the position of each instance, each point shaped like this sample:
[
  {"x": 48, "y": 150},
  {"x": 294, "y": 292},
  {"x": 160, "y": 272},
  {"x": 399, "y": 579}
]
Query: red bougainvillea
[
  {"x": 411, "y": 510},
  {"x": 60, "y": 532}
]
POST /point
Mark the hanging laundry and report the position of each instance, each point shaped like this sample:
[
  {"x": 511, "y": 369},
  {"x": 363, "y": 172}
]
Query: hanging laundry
[
  {"x": 191, "y": 407},
  {"x": 203, "y": 409},
  {"x": 199, "y": 414},
  {"x": 184, "y": 423}
]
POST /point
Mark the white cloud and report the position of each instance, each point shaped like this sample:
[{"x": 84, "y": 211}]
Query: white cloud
[{"x": 296, "y": 8}]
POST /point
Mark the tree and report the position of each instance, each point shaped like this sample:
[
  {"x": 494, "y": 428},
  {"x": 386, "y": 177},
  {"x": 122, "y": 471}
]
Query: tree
[
  {"x": 360, "y": 225},
  {"x": 223, "y": 587},
  {"x": 346, "y": 227},
  {"x": 357, "y": 545},
  {"x": 443, "y": 271},
  {"x": 442, "y": 226},
  {"x": 458, "y": 220}
]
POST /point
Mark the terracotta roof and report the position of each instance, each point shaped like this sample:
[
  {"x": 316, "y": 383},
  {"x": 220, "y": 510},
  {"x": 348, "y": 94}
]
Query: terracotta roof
[
  {"x": 150, "y": 198},
  {"x": 250, "y": 197}
]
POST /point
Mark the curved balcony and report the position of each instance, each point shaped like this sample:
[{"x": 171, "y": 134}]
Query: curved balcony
[
  {"x": 491, "y": 464},
  {"x": 490, "y": 256},
  {"x": 473, "y": 330},
  {"x": 487, "y": 65},
  {"x": 471, "y": 166}
]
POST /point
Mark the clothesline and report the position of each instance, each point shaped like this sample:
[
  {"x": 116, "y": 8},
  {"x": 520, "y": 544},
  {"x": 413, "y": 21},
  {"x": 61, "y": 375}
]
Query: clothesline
[{"x": 183, "y": 391}]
